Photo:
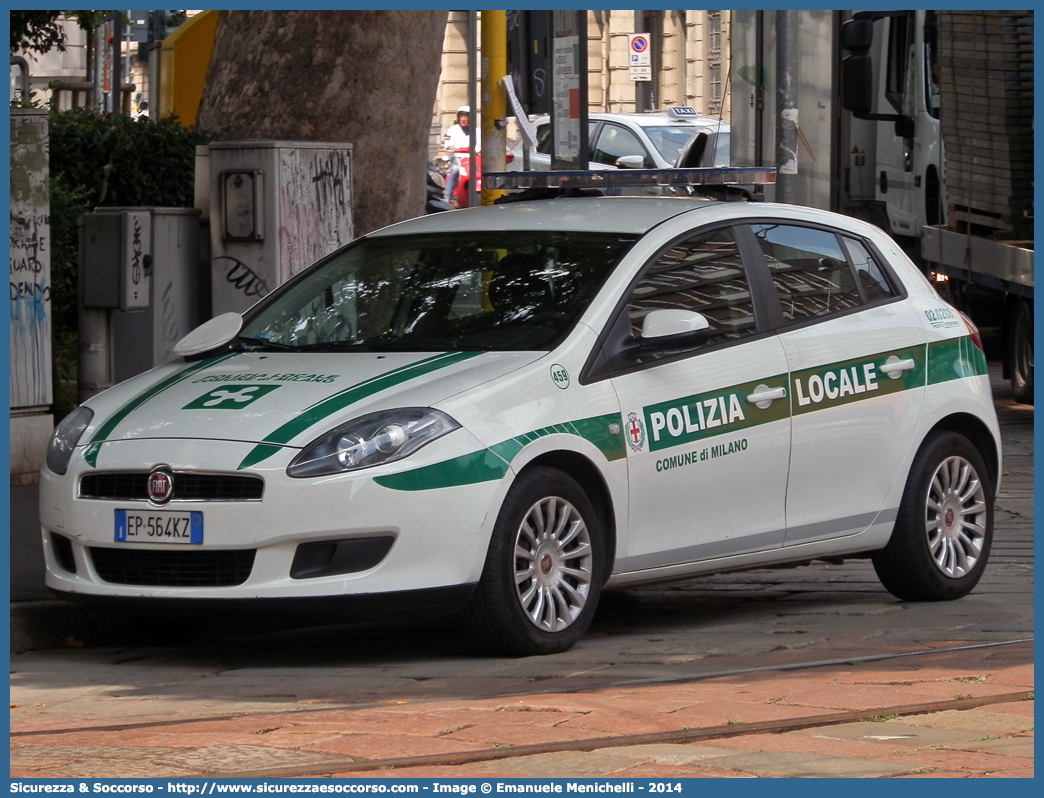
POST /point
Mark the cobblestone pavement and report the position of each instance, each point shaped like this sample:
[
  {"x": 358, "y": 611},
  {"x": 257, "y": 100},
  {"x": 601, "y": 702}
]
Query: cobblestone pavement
[{"x": 688, "y": 665}]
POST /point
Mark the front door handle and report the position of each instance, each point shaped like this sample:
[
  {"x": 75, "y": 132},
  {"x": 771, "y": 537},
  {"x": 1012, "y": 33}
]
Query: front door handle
[
  {"x": 764, "y": 396},
  {"x": 894, "y": 367}
]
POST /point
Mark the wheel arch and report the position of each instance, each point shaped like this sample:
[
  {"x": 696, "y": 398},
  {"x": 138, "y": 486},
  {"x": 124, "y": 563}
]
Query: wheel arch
[
  {"x": 591, "y": 480},
  {"x": 980, "y": 436}
]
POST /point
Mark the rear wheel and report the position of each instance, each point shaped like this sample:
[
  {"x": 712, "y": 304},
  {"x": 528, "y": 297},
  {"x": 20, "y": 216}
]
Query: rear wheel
[
  {"x": 1020, "y": 353},
  {"x": 944, "y": 529},
  {"x": 544, "y": 568}
]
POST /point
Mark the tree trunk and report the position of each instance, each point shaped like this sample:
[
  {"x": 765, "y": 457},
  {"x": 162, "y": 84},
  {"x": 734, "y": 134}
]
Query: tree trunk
[{"x": 363, "y": 77}]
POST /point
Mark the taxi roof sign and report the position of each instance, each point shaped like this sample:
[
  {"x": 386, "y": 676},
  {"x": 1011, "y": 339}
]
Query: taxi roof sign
[{"x": 682, "y": 112}]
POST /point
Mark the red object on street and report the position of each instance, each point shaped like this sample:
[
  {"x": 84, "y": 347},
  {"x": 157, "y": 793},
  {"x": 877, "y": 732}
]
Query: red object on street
[{"x": 460, "y": 191}]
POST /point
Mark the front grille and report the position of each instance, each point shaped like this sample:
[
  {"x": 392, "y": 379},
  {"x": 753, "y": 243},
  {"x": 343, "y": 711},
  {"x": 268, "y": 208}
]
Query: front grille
[
  {"x": 173, "y": 568},
  {"x": 133, "y": 486}
]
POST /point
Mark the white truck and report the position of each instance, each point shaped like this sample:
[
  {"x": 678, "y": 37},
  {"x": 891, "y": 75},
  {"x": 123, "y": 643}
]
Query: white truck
[{"x": 920, "y": 122}]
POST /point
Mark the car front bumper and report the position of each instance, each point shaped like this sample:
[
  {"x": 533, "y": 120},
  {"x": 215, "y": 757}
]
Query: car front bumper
[{"x": 438, "y": 537}]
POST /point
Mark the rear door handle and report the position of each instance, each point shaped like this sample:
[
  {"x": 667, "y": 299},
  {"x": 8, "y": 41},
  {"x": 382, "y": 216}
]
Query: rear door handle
[{"x": 893, "y": 367}]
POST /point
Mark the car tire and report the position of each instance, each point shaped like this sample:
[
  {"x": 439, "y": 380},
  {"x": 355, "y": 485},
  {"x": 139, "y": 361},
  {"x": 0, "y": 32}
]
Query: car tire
[
  {"x": 544, "y": 568},
  {"x": 1020, "y": 353},
  {"x": 944, "y": 528}
]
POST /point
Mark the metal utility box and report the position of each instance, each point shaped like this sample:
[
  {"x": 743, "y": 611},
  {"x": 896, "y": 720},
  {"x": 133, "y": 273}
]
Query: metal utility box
[
  {"x": 275, "y": 207},
  {"x": 171, "y": 298},
  {"x": 117, "y": 255}
]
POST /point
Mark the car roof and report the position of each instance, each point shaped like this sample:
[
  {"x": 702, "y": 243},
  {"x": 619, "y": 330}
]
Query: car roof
[
  {"x": 657, "y": 118},
  {"x": 651, "y": 119},
  {"x": 589, "y": 214}
]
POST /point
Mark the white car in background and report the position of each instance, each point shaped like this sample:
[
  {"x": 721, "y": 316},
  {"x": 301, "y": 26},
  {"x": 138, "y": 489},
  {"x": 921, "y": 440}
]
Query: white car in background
[
  {"x": 653, "y": 140},
  {"x": 504, "y": 409}
]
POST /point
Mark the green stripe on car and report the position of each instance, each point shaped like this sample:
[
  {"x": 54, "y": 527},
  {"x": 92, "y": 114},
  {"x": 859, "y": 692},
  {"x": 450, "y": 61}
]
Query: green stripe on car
[
  {"x": 94, "y": 445},
  {"x": 333, "y": 404},
  {"x": 491, "y": 464},
  {"x": 850, "y": 381},
  {"x": 684, "y": 420},
  {"x": 469, "y": 469},
  {"x": 954, "y": 359}
]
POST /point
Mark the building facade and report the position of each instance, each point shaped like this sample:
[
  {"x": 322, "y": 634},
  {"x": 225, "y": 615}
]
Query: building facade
[{"x": 690, "y": 58}]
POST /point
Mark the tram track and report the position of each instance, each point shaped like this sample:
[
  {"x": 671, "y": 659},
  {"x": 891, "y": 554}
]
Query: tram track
[
  {"x": 568, "y": 689},
  {"x": 677, "y": 737}
]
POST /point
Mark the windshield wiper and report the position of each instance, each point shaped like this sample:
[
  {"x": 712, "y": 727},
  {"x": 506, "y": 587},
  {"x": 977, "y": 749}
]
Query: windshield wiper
[
  {"x": 254, "y": 344},
  {"x": 372, "y": 345}
]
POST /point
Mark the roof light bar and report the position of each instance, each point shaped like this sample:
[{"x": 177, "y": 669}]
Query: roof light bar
[{"x": 619, "y": 178}]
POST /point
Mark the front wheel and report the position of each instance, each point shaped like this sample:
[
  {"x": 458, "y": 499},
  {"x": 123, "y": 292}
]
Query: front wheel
[
  {"x": 544, "y": 567},
  {"x": 944, "y": 529}
]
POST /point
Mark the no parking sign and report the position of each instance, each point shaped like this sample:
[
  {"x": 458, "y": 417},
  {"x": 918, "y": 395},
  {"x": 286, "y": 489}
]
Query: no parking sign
[{"x": 640, "y": 56}]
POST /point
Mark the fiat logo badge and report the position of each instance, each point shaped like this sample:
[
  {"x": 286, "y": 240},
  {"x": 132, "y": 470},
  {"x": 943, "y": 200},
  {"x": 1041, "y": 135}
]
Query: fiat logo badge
[{"x": 161, "y": 485}]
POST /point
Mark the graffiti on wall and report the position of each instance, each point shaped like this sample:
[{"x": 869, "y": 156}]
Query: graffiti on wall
[
  {"x": 315, "y": 206},
  {"x": 30, "y": 262},
  {"x": 242, "y": 278}
]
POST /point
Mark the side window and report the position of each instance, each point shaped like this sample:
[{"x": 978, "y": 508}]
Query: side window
[
  {"x": 871, "y": 278},
  {"x": 615, "y": 142},
  {"x": 809, "y": 269},
  {"x": 705, "y": 274},
  {"x": 543, "y": 136},
  {"x": 543, "y": 139}
]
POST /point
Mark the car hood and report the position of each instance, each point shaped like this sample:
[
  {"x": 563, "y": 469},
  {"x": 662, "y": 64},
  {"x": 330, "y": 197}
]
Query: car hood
[{"x": 284, "y": 398}]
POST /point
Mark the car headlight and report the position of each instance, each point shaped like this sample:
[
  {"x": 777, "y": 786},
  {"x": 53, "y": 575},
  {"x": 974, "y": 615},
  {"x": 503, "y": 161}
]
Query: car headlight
[
  {"x": 65, "y": 437},
  {"x": 371, "y": 440}
]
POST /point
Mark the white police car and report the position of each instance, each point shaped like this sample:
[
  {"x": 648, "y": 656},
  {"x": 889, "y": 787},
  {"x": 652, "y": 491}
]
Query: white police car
[{"x": 505, "y": 409}]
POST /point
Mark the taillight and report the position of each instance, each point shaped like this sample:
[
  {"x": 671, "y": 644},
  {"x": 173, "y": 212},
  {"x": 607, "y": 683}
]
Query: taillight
[
  {"x": 973, "y": 331},
  {"x": 509, "y": 157}
]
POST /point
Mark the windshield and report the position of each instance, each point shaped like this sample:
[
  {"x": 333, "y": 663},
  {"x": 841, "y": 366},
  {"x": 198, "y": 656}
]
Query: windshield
[
  {"x": 519, "y": 290},
  {"x": 670, "y": 140},
  {"x": 722, "y": 150}
]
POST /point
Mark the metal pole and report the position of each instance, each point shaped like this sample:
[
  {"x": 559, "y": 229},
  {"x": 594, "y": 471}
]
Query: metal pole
[
  {"x": 116, "y": 103},
  {"x": 23, "y": 66},
  {"x": 786, "y": 106},
  {"x": 494, "y": 100},
  {"x": 98, "y": 98},
  {"x": 642, "y": 88},
  {"x": 127, "y": 44},
  {"x": 472, "y": 98}
]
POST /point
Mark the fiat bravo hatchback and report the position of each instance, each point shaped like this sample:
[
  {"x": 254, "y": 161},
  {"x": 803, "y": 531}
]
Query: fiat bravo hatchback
[{"x": 502, "y": 411}]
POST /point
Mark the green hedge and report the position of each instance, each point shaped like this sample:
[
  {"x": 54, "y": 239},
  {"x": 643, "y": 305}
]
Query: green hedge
[
  {"x": 123, "y": 162},
  {"x": 106, "y": 160}
]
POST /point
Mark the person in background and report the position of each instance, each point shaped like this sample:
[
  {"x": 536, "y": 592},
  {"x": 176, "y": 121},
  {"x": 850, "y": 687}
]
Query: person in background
[
  {"x": 457, "y": 140},
  {"x": 143, "y": 110}
]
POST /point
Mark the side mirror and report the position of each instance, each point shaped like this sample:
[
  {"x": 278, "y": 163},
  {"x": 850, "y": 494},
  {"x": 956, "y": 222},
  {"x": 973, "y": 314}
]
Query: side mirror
[
  {"x": 666, "y": 323},
  {"x": 210, "y": 334},
  {"x": 857, "y": 83},
  {"x": 630, "y": 162},
  {"x": 857, "y": 34},
  {"x": 673, "y": 329},
  {"x": 905, "y": 127},
  {"x": 857, "y": 69}
]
